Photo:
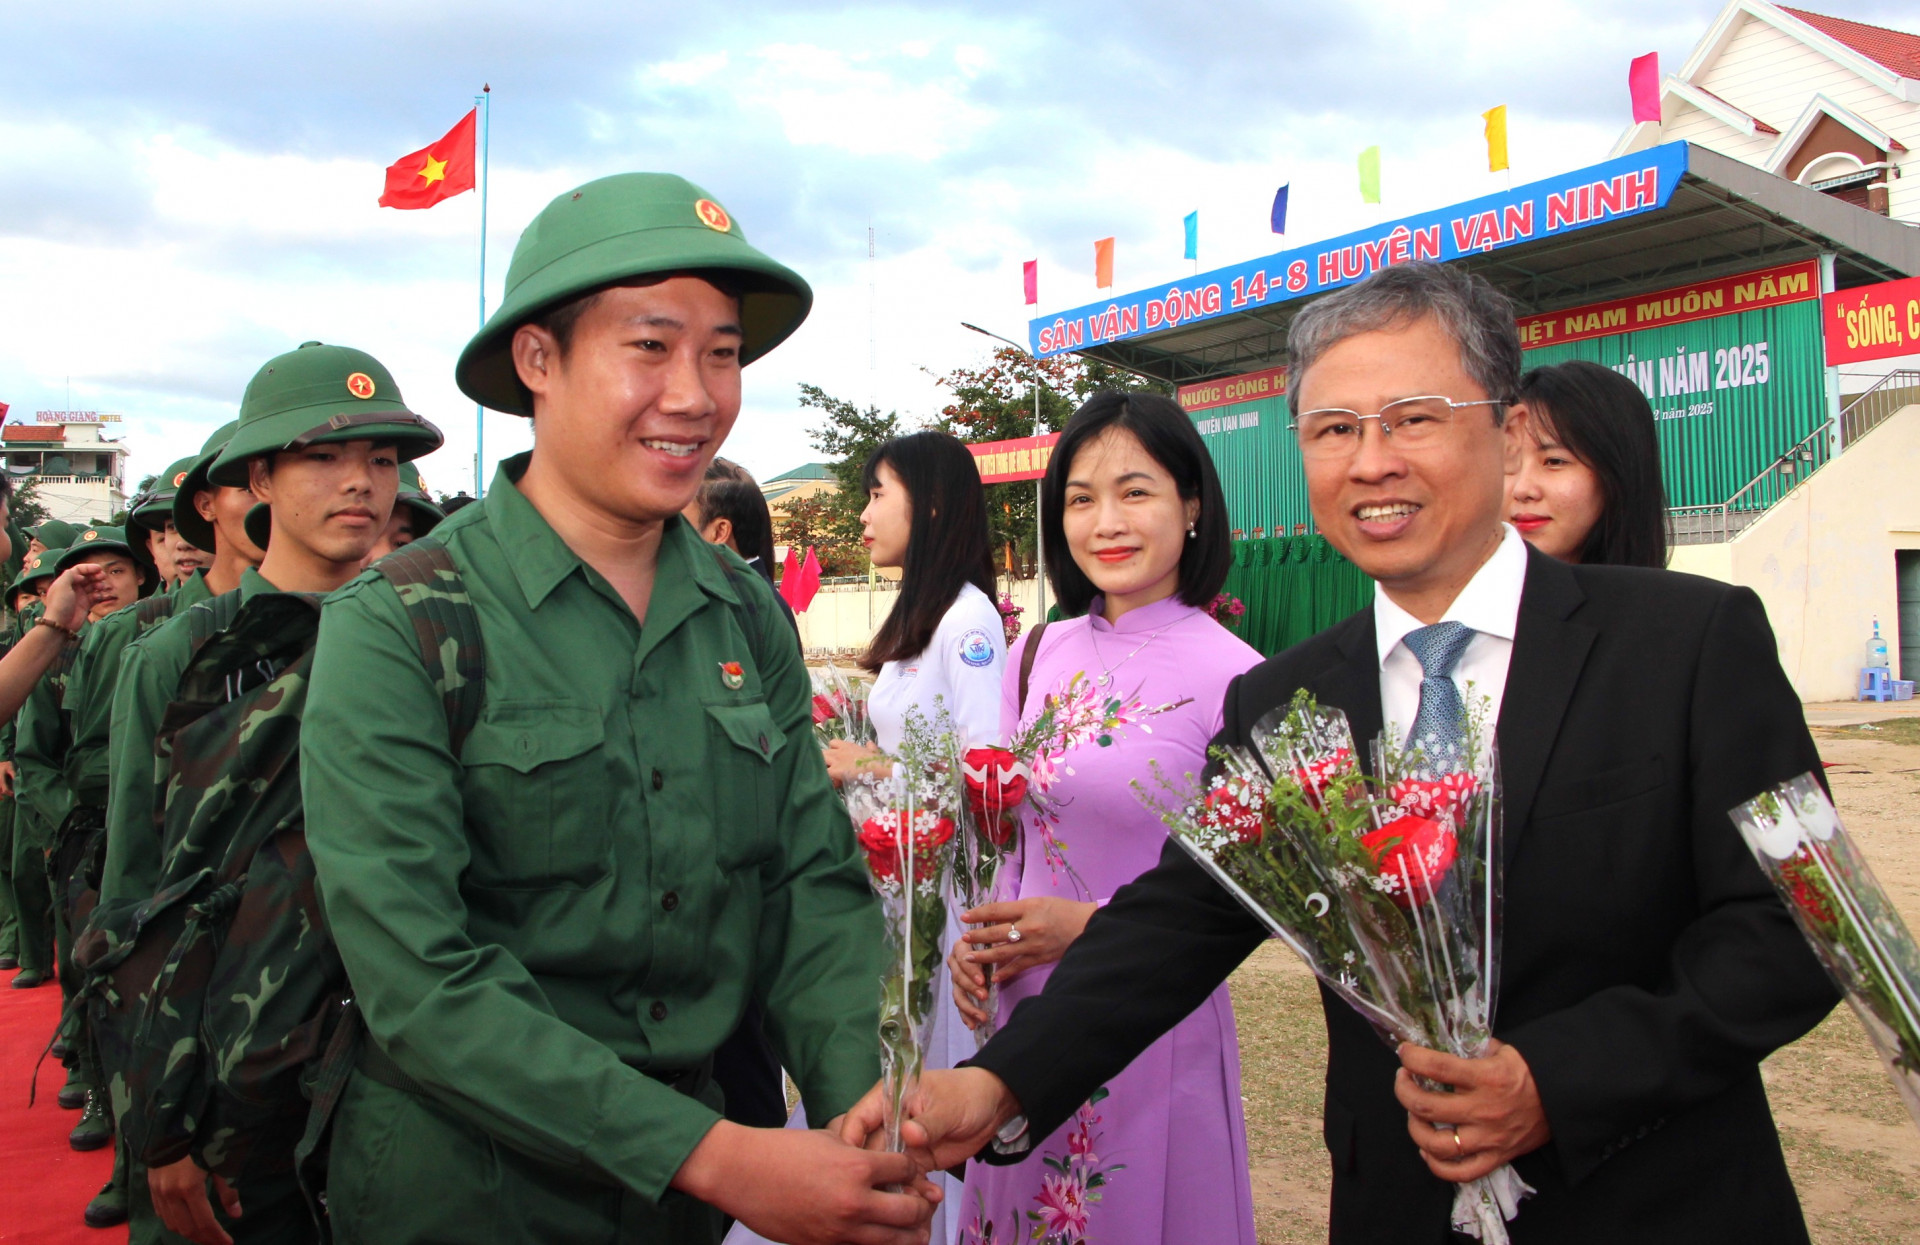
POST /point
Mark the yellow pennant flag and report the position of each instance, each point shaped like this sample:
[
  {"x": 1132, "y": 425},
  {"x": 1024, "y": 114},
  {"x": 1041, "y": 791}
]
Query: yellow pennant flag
[{"x": 1496, "y": 138}]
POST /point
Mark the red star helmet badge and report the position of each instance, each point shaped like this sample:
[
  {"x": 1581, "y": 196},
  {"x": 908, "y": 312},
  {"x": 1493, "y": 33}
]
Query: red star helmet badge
[
  {"x": 360, "y": 385},
  {"x": 712, "y": 215},
  {"x": 179, "y": 478}
]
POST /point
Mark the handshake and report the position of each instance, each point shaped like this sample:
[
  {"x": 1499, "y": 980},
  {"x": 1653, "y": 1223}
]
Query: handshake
[{"x": 835, "y": 1184}]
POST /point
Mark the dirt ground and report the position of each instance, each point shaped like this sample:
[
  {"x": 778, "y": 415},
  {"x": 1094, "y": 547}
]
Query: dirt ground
[{"x": 1853, "y": 1150}]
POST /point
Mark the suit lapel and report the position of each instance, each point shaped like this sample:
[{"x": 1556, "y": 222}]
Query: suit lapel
[
  {"x": 1549, "y": 650},
  {"x": 1351, "y": 682}
]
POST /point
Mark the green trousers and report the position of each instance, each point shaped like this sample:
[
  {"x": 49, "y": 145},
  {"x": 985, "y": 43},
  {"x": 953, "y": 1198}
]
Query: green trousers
[
  {"x": 32, "y": 889},
  {"x": 9, "y": 914},
  {"x": 403, "y": 1169}
]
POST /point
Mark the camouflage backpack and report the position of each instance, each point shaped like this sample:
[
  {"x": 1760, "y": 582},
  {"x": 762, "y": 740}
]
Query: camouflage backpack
[{"x": 223, "y": 994}]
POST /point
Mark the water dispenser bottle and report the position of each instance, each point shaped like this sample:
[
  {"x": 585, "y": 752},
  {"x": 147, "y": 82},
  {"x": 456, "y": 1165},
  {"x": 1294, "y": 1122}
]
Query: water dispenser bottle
[{"x": 1876, "y": 647}]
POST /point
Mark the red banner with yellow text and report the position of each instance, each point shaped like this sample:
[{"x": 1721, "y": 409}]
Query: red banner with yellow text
[
  {"x": 1749, "y": 291},
  {"x": 1251, "y": 387},
  {"x": 1022, "y": 458},
  {"x": 1872, "y": 322}
]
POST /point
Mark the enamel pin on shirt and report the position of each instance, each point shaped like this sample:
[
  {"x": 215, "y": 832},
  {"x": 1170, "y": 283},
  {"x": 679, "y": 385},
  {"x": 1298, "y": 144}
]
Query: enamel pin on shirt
[{"x": 732, "y": 675}]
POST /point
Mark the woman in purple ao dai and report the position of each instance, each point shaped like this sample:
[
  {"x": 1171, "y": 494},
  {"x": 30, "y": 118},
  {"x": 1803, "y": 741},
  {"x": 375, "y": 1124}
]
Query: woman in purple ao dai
[{"x": 1161, "y": 1155}]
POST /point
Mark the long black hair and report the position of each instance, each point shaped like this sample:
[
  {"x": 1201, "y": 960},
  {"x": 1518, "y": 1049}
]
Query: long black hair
[
  {"x": 729, "y": 493},
  {"x": 1168, "y": 436},
  {"x": 948, "y": 547},
  {"x": 1604, "y": 420}
]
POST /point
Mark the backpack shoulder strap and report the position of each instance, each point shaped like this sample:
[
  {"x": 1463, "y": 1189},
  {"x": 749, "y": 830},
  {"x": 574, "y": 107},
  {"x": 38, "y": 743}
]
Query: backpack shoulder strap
[
  {"x": 154, "y": 609},
  {"x": 1027, "y": 656},
  {"x": 445, "y": 626}
]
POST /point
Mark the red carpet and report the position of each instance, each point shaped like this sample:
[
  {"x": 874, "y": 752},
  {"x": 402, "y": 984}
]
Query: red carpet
[{"x": 44, "y": 1185}]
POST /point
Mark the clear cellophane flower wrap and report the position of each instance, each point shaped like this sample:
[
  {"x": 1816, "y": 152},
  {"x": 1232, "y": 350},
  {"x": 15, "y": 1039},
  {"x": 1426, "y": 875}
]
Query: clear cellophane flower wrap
[
  {"x": 839, "y": 707},
  {"x": 905, "y": 824},
  {"x": 1388, "y": 885},
  {"x": 996, "y": 784},
  {"x": 1795, "y": 834}
]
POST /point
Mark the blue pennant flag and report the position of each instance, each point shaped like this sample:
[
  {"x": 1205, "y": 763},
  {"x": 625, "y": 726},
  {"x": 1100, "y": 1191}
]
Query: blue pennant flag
[
  {"x": 1193, "y": 235},
  {"x": 1280, "y": 209}
]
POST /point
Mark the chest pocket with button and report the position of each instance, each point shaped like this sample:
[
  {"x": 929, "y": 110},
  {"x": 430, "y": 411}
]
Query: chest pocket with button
[
  {"x": 744, "y": 742},
  {"x": 536, "y": 796}
]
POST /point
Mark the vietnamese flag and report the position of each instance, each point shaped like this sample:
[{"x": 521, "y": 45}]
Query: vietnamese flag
[{"x": 433, "y": 173}]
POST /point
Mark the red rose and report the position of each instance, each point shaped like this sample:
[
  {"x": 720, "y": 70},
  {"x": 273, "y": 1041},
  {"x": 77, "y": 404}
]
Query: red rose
[
  {"x": 883, "y": 836},
  {"x": 1427, "y": 849},
  {"x": 996, "y": 781},
  {"x": 822, "y": 709},
  {"x": 1314, "y": 777},
  {"x": 1441, "y": 799},
  {"x": 1232, "y": 806},
  {"x": 1806, "y": 894}
]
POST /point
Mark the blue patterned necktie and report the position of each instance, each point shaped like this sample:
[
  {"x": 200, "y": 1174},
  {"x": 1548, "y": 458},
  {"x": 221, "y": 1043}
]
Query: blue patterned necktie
[{"x": 1440, "y": 727}]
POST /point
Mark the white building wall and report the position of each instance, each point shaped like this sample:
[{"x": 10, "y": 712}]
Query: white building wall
[{"x": 1822, "y": 559}]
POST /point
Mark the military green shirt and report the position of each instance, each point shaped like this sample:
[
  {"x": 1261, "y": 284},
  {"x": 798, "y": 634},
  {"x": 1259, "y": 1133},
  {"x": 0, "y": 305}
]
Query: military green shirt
[
  {"x": 636, "y": 835},
  {"x": 150, "y": 670},
  {"x": 96, "y": 671},
  {"x": 40, "y": 744}
]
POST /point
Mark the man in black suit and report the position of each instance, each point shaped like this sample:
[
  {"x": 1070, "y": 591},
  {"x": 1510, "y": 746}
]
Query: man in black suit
[{"x": 1648, "y": 966}]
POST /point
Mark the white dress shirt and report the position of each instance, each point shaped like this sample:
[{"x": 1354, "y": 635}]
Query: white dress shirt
[{"x": 1490, "y": 605}]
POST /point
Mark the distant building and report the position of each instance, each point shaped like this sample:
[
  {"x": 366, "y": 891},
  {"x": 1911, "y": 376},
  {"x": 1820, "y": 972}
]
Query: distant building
[
  {"x": 1829, "y": 103},
  {"x": 77, "y": 472},
  {"x": 809, "y": 480}
]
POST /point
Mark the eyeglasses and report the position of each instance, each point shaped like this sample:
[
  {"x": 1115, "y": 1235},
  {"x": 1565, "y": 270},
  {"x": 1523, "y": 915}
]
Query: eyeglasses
[{"x": 1411, "y": 423}]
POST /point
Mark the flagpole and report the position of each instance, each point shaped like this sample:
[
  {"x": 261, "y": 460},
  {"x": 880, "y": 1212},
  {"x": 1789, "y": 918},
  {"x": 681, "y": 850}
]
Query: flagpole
[{"x": 483, "y": 102}]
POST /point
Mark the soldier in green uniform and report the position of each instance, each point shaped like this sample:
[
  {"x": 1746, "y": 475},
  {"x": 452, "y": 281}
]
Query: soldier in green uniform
[
  {"x": 151, "y": 516},
  {"x": 415, "y": 513},
  {"x": 316, "y": 452},
  {"x": 43, "y": 748},
  {"x": 213, "y": 517},
  {"x": 29, "y": 893},
  {"x": 551, "y": 929},
  {"x": 38, "y": 807},
  {"x": 52, "y": 534}
]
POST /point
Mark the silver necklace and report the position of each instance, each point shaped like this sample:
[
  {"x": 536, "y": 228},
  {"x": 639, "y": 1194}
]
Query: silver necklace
[{"x": 1106, "y": 678}]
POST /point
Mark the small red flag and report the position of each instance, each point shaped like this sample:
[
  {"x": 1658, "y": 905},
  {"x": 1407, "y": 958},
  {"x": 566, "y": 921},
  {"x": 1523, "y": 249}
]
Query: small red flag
[
  {"x": 433, "y": 173},
  {"x": 1643, "y": 83},
  {"x": 809, "y": 585},
  {"x": 4, "y": 408},
  {"x": 1030, "y": 277},
  {"x": 1103, "y": 263},
  {"x": 790, "y": 574}
]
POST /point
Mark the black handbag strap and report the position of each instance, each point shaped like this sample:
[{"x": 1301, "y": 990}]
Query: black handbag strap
[{"x": 1026, "y": 662}]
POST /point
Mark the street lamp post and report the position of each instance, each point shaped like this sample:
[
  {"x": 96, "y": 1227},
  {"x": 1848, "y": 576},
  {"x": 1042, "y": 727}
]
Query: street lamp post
[{"x": 1039, "y": 529}]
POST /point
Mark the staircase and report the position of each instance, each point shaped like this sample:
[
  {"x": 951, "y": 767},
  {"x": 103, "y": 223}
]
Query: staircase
[{"x": 1703, "y": 525}]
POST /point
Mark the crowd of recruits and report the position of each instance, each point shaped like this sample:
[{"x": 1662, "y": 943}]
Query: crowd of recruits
[
  {"x": 552, "y": 924},
  {"x": 187, "y": 539}
]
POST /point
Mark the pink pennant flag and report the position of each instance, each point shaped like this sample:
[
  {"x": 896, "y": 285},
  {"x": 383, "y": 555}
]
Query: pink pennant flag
[
  {"x": 1030, "y": 276},
  {"x": 1643, "y": 82},
  {"x": 809, "y": 584}
]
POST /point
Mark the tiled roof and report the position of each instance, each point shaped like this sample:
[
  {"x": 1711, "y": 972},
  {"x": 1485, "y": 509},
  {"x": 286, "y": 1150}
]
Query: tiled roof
[
  {"x": 34, "y": 432},
  {"x": 1895, "y": 49}
]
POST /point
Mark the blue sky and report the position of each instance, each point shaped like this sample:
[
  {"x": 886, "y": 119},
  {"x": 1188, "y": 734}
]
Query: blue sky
[{"x": 186, "y": 190}]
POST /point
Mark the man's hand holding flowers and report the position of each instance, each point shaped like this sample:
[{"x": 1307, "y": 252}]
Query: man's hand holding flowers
[{"x": 1492, "y": 1117}]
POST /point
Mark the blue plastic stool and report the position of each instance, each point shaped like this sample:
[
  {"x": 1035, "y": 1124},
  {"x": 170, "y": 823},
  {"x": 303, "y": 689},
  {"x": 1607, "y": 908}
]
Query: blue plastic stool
[{"x": 1876, "y": 683}]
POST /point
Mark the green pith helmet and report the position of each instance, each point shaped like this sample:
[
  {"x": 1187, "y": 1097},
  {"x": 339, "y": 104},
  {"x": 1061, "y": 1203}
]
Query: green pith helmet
[
  {"x": 54, "y": 534},
  {"x": 612, "y": 230},
  {"x": 32, "y": 571},
  {"x": 186, "y": 519},
  {"x": 318, "y": 394},
  {"x": 100, "y": 539},
  {"x": 413, "y": 494},
  {"x": 153, "y": 510}
]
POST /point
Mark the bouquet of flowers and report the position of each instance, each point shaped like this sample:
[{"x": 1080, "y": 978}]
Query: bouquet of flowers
[
  {"x": 1803, "y": 849},
  {"x": 1226, "y": 609},
  {"x": 839, "y": 708},
  {"x": 1000, "y": 781},
  {"x": 905, "y": 824},
  {"x": 1387, "y": 885},
  {"x": 1009, "y": 617}
]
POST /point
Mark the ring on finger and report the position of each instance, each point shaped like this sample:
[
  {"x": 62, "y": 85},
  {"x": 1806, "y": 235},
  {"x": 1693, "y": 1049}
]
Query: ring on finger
[
  {"x": 1014, "y": 934},
  {"x": 1459, "y": 1150}
]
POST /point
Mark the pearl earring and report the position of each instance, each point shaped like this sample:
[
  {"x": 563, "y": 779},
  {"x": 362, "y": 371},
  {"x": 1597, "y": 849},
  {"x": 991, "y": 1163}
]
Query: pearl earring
[{"x": 1189, "y": 531}]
